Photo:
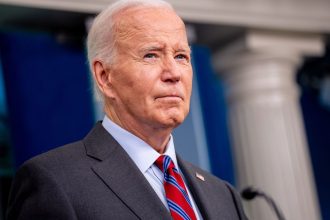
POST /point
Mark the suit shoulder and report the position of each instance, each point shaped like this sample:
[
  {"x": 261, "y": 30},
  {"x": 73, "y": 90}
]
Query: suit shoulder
[{"x": 59, "y": 154}]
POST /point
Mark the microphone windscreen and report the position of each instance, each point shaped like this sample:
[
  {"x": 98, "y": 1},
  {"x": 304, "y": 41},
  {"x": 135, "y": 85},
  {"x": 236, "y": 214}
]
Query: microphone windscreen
[{"x": 249, "y": 193}]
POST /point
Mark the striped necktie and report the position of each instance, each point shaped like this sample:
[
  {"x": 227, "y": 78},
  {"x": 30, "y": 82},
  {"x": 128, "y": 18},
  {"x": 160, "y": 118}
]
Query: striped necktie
[{"x": 176, "y": 193}]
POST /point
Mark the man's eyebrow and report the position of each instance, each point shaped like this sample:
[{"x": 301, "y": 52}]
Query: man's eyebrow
[
  {"x": 162, "y": 48},
  {"x": 152, "y": 48},
  {"x": 184, "y": 49}
]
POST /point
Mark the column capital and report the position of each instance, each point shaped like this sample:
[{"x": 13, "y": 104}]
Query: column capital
[{"x": 261, "y": 45}]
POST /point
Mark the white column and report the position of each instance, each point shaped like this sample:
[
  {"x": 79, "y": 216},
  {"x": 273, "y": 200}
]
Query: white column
[{"x": 266, "y": 124}]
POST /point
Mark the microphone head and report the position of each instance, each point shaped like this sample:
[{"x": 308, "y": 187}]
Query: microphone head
[{"x": 249, "y": 193}]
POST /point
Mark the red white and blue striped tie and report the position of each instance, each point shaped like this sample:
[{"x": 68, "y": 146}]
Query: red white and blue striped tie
[{"x": 176, "y": 193}]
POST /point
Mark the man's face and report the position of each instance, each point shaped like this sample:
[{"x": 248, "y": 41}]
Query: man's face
[{"x": 151, "y": 79}]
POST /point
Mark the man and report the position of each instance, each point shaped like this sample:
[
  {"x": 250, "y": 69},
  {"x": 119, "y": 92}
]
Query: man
[{"x": 126, "y": 167}]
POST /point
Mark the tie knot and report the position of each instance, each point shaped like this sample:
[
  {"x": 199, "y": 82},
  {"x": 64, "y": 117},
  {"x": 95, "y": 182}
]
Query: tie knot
[{"x": 164, "y": 163}]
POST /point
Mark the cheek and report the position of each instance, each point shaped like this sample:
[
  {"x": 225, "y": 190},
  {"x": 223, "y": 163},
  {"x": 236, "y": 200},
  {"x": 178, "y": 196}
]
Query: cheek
[
  {"x": 125, "y": 82},
  {"x": 123, "y": 79},
  {"x": 128, "y": 83},
  {"x": 188, "y": 90},
  {"x": 140, "y": 92},
  {"x": 188, "y": 83}
]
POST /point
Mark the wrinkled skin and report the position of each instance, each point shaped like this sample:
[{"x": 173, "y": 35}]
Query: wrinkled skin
[{"x": 147, "y": 89}]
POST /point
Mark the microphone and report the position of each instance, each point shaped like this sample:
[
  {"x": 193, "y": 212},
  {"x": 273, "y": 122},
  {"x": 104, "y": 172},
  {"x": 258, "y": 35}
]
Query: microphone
[{"x": 250, "y": 193}]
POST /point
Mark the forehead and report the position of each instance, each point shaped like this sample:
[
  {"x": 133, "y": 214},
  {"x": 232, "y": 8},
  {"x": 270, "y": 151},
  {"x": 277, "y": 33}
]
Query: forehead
[{"x": 149, "y": 22}]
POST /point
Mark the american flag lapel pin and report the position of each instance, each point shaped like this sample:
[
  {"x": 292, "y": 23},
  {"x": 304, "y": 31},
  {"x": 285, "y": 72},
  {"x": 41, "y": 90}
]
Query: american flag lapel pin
[{"x": 200, "y": 176}]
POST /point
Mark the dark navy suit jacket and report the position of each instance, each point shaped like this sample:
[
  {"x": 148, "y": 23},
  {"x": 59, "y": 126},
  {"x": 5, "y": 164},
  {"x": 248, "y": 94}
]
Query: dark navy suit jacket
[{"x": 95, "y": 179}]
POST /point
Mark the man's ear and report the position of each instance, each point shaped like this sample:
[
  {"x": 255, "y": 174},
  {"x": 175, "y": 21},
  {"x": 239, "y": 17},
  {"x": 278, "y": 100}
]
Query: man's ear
[{"x": 102, "y": 77}]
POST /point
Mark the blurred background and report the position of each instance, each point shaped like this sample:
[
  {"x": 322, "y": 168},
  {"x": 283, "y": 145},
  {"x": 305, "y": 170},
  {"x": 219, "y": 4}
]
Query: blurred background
[{"x": 260, "y": 111}]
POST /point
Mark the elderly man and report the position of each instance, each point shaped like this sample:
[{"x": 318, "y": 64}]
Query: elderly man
[{"x": 126, "y": 167}]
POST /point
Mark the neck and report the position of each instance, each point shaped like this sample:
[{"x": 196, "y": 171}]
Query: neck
[{"x": 156, "y": 137}]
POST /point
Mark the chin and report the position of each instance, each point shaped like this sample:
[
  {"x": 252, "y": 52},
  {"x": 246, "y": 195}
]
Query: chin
[
  {"x": 172, "y": 119},
  {"x": 173, "y": 122}
]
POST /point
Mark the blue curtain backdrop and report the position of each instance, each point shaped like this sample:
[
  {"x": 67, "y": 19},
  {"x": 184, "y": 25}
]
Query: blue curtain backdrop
[
  {"x": 213, "y": 105},
  {"x": 48, "y": 92},
  {"x": 49, "y": 97},
  {"x": 317, "y": 123},
  {"x": 5, "y": 152}
]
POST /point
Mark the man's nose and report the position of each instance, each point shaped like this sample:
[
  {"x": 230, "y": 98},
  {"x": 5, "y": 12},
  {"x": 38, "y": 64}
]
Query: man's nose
[{"x": 170, "y": 70}]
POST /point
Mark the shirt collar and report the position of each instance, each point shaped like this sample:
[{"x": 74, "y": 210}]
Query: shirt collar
[{"x": 139, "y": 151}]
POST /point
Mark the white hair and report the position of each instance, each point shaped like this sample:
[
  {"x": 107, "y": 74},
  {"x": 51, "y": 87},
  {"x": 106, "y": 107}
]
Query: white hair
[{"x": 102, "y": 35}]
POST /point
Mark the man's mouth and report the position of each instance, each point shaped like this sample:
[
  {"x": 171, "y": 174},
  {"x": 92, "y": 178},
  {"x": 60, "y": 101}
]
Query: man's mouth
[{"x": 170, "y": 97}]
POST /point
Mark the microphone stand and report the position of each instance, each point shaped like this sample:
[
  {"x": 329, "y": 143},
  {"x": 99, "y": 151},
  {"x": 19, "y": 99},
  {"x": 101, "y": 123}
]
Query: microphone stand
[{"x": 250, "y": 193}]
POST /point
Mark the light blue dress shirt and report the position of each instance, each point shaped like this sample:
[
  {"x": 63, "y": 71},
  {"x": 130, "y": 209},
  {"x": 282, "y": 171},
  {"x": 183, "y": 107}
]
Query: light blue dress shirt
[{"x": 144, "y": 157}]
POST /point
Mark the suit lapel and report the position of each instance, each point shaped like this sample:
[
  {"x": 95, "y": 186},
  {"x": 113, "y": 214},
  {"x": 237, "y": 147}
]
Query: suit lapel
[
  {"x": 122, "y": 176},
  {"x": 195, "y": 185}
]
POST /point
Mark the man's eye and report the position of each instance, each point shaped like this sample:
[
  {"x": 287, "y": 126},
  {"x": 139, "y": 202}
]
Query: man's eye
[
  {"x": 182, "y": 57},
  {"x": 150, "y": 55}
]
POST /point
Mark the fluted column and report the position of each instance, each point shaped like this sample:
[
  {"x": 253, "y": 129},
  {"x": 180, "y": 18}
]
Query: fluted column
[{"x": 267, "y": 129}]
